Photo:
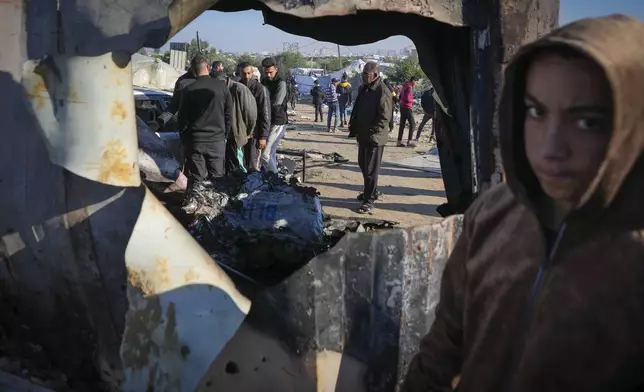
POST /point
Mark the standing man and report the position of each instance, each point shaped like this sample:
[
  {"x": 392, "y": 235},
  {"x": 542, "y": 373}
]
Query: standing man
[
  {"x": 217, "y": 71},
  {"x": 344, "y": 98},
  {"x": 427, "y": 103},
  {"x": 259, "y": 136},
  {"x": 244, "y": 118},
  {"x": 205, "y": 120},
  {"x": 332, "y": 103},
  {"x": 318, "y": 97},
  {"x": 406, "y": 115},
  {"x": 182, "y": 82},
  {"x": 370, "y": 122},
  {"x": 277, "y": 89}
]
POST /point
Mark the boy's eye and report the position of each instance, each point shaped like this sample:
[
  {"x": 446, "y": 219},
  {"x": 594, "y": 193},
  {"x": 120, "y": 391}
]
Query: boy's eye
[{"x": 533, "y": 111}]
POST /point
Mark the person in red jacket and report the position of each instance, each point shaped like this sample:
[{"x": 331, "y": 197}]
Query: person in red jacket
[{"x": 406, "y": 115}]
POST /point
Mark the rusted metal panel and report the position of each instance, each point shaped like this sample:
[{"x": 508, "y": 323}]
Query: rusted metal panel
[
  {"x": 183, "y": 307},
  {"x": 351, "y": 319},
  {"x": 89, "y": 128}
]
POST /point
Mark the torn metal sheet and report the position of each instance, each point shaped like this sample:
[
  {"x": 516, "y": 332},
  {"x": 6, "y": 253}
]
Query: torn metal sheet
[
  {"x": 183, "y": 307},
  {"x": 446, "y": 11},
  {"x": 351, "y": 319},
  {"x": 89, "y": 127}
]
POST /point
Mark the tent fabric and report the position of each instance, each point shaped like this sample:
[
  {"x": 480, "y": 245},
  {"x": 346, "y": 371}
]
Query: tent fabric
[{"x": 153, "y": 73}]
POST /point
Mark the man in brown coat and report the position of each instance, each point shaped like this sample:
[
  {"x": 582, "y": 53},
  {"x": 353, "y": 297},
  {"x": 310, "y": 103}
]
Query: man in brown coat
[{"x": 369, "y": 122}]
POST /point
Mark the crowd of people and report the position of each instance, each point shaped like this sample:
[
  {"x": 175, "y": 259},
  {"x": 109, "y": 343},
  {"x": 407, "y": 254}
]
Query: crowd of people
[
  {"x": 229, "y": 124},
  {"x": 372, "y": 119},
  {"x": 234, "y": 124}
]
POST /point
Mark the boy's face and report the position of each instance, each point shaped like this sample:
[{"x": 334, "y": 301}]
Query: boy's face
[{"x": 568, "y": 124}]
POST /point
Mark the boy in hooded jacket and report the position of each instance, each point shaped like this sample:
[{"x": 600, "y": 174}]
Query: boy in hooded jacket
[{"x": 544, "y": 289}]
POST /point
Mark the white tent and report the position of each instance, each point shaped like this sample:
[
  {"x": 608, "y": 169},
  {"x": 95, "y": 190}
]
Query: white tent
[
  {"x": 351, "y": 70},
  {"x": 153, "y": 73}
]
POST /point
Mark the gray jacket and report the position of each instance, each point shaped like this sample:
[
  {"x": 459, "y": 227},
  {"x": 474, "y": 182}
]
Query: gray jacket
[{"x": 244, "y": 112}]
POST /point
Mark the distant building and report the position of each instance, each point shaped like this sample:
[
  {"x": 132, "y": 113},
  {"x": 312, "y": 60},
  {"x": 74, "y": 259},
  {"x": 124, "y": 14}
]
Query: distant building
[{"x": 409, "y": 51}]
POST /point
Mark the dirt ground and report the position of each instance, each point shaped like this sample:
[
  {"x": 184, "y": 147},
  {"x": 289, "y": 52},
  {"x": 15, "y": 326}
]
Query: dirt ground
[{"x": 410, "y": 196}]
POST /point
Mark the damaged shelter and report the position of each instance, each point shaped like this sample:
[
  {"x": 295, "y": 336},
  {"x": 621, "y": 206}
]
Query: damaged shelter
[{"x": 100, "y": 282}]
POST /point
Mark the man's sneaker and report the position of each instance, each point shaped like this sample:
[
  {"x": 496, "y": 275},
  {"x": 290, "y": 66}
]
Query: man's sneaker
[{"x": 401, "y": 144}]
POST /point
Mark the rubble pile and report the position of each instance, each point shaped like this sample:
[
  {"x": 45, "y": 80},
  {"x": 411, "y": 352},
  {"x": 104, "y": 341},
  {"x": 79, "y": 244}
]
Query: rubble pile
[{"x": 263, "y": 228}]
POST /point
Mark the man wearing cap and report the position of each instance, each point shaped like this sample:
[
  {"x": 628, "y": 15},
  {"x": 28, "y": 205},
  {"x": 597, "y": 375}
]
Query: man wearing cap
[{"x": 332, "y": 103}]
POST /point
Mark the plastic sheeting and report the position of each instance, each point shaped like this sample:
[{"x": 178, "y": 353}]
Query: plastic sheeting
[
  {"x": 156, "y": 159},
  {"x": 153, "y": 73},
  {"x": 266, "y": 204}
]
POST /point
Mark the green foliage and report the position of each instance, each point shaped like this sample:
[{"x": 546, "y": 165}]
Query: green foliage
[
  {"x": 333, "y": 63},
  {"x": 288, "y": 60},
  {"x": 404, "y": 70},
  {"x": 206, "y": 50},
  {"x": 255, "y": 61}
]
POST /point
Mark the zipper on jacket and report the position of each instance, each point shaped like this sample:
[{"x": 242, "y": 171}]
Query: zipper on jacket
[{"x": 517, "y": 352}]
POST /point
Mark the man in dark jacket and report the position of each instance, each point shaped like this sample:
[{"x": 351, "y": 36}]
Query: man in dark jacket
[
  {"x": 427, "y": 103},
  {"x": 278, "y": 90},
  {"x": 254, "y": 147},
  {"x": 318, "y": 98},
  {"x": 184, "y": 80},
  {"x": 370, "y": 123},
  {"x": 205, "y": 120}
]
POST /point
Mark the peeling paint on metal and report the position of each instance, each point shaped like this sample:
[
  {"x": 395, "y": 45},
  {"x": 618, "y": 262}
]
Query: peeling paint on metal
[
  {"x": 180, "y": 302},
  {"x": 79, "y": 119},
  {"x": 114, "y": 166},
  {"x": 118, "y": 110}
]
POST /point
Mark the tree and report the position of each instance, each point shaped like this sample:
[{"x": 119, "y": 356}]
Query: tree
[
  {"x": 165, "y": 57},
  {"x": 334, "y": 63},
  {"x": 249, "y": 58},
  {"x": 404, "y": 70},
  {"x": 290, "y": 59},
  {"x": 206, "y": 50}
]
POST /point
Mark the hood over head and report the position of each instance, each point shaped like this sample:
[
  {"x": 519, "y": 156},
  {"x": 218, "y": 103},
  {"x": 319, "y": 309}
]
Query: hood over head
[{"x": 614, "y": 43}]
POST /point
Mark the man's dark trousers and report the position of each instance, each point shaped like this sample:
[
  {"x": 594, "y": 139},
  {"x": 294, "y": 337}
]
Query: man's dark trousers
[
  {"x": 369, "y": 159},
  {"x": 205, "y": 161},
  {"x": 426, "y": 118},
  {"x": 343, "y": 111},
  {"x": 405, "y": 116},
  {"x": 318, "y": 110}
]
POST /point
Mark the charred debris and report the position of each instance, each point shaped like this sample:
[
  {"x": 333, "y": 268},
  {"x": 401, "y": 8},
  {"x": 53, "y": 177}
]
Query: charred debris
[{"x": 262, "y": 227}]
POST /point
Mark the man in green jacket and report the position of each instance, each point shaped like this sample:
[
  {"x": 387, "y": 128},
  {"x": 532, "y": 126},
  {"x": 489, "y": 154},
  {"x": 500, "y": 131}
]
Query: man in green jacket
[{"x": 369, "y": 122}]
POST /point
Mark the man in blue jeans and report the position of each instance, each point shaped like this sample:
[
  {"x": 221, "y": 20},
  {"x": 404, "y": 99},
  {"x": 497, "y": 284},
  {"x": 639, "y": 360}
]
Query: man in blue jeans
[{"x": 332, "y": 103}]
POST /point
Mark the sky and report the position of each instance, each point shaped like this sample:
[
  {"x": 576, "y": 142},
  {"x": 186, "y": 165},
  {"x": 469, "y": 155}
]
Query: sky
[{"x": 257, "y": 37}]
